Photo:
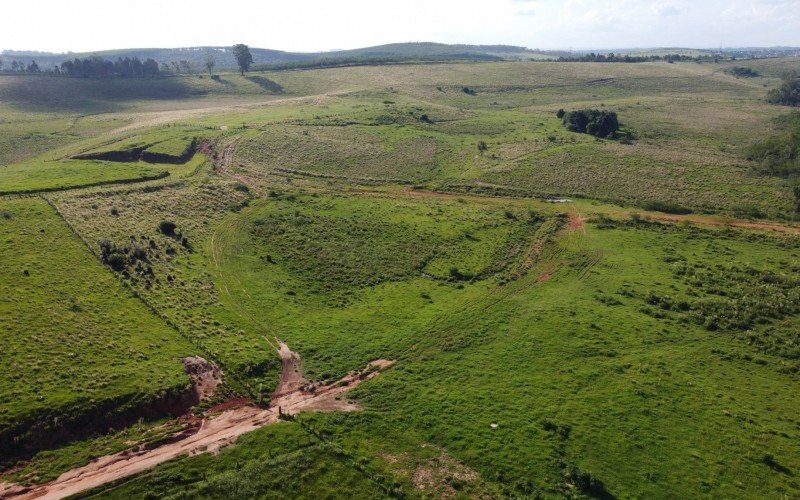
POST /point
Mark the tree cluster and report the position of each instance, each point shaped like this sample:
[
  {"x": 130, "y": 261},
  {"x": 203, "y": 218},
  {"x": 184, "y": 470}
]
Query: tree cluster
[
  {"x": 21, "y": 67},
  {"x": 788, "y": 94},
  {"x": 742, "y": 72},
  {"x": 779, "y": 156},
  {"x": 98, "y": 67},
  {"x": 611, "y": 57},
  {"x": 599, "y": 123}
]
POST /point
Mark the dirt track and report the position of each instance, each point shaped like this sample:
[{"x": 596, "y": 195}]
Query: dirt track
[{"x": 213, "y": 433}]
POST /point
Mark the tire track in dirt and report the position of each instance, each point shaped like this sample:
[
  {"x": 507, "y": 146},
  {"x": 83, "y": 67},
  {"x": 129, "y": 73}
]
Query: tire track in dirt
[{"x": 213, "y": 433}]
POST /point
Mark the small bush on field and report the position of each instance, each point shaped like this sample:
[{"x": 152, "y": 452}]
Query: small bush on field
[
  {"x": 167, "y": 227},
  {"x": 603, "y": 124},
  {"x": 666, "y": 207},
  {"x": 5, "y": 214},
  {"x": 742, "y": 72},
  {"x": 112, "y": 255}
]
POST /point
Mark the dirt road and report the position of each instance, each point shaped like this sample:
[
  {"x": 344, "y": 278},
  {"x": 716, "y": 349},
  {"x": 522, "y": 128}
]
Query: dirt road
[{"x": 213, "y": 433}]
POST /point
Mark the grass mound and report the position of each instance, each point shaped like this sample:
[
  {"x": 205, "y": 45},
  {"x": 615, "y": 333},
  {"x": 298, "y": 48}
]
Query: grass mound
[{"x": 336, "y": 246}]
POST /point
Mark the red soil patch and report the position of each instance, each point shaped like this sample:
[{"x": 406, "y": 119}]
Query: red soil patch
[
  {"x": 577, "y": 223},
  {"x": 208, "y": 435}
]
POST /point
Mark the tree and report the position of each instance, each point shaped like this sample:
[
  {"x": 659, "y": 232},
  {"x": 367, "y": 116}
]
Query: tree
[
  {"x": 210, "y": 62},
  {"x": 796, "y": 190},
  {"x": 149, "y": 67},
  {"x": 243, "y": 57},
  {"x": 187, "y": 67},
  {"x": 33, "y": 67},
  {"x": 788, "y": 94},
  {"x": 592, "y": 121}
]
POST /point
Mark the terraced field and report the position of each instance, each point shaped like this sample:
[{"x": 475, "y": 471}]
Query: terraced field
[{"x": 553, "y": 315}]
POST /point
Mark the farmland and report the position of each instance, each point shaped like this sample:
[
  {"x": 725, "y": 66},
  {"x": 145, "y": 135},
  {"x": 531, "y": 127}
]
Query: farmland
[{"x": 557, "y": 315}]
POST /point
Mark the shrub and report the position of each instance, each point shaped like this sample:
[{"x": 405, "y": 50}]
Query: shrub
[
  {"x": 788, "y": 94},
  {"x": 482, "y": 146},
  {"x": 112, "y": 256},
  {"x": 6, "y": 214},
  {"x": 594, "y": 122},
  {"x": 742, "y": 72},
  {"x": 167, "y": 227},
  {"x": 560, "y": 113},
  {"x": 779, "y": 155},
  {"x": 666, "y": 207}
]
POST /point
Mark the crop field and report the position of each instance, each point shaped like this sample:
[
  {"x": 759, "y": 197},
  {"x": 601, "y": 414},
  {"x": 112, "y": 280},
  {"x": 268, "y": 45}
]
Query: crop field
[{"x": 529, "y": 311}]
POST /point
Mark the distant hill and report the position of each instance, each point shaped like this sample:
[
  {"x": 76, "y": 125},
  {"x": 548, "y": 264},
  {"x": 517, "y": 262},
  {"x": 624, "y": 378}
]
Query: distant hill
[
  {"x": 224, "y": 57},
  {"x": 428, "y": 51}
]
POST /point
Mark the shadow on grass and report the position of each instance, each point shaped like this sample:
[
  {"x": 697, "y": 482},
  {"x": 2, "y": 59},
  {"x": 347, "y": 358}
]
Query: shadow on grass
[
  {"x": 89, "y": 95},
  {"x": 266, "y": 84}
]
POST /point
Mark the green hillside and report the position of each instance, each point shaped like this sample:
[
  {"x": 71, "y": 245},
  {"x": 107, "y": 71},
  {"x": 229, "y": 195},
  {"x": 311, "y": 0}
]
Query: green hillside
[{"x": 408, "y": 280}]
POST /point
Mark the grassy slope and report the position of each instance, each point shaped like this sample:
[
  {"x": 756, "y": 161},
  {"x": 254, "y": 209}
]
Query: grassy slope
[
  {"x": 74, "y": 334},
  {"x": 701, "y": 149},
  {"x": 649, "y": 402},
  {"x": 578, "y": 371},
  {"x": 273, "y": 462}
]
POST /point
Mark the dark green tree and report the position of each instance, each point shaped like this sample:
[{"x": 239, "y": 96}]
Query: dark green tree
[
  {"x": 592, "y": 121},
  {"x": 788, "y": 94},
  {"x": 243, "y": 57},
  {"x": 210, "y": 62},
  {"x": 796, "y": 190}
]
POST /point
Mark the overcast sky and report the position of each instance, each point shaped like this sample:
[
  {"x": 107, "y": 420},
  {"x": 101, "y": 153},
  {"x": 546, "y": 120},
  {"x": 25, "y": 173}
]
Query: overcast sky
[{"x": 310, "y": 25}]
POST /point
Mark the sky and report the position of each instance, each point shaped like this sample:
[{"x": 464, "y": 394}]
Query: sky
[{"x": 313, "y": 25}]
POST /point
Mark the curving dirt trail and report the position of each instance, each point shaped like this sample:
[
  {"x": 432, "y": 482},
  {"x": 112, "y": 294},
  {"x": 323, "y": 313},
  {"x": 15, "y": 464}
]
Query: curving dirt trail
[{"x": 294, "y": 395}]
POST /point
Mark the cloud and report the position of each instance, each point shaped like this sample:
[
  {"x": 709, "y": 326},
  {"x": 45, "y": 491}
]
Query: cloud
[
  {"x": 669, "y": 10},
  {"x": 307, "y": 25}
]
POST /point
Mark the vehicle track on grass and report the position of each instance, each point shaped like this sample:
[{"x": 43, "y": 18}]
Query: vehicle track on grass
[
  {"x": 295, "y": 395},
  {"x": 700, "y": 220},
  {"x": 146, "y": 119}
]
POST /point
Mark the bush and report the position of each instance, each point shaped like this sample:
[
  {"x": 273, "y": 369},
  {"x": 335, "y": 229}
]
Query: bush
[
  {"x": 788, "y": 94},
  {"x": 594, "y": 122},
  {"x": 560, "y": 113},
  {"x": 167, "y": 227},
  {"x": 779, "y": 155},
  {"x": 742, "y": 72},
  {"x": 667, "y": 207},
  {"x": 112, "y": 256}
]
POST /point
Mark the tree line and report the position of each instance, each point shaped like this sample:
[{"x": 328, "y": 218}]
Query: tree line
[
  {"x": 20, "y": 67},
  {"x": 128, "y": 67},
  {"x": 612, "y": 57}
]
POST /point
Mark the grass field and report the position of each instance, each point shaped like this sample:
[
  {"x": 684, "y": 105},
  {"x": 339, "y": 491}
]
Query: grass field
[
  {"x": 77, "y": 340},
  {"x": 575, "y": 347}
]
